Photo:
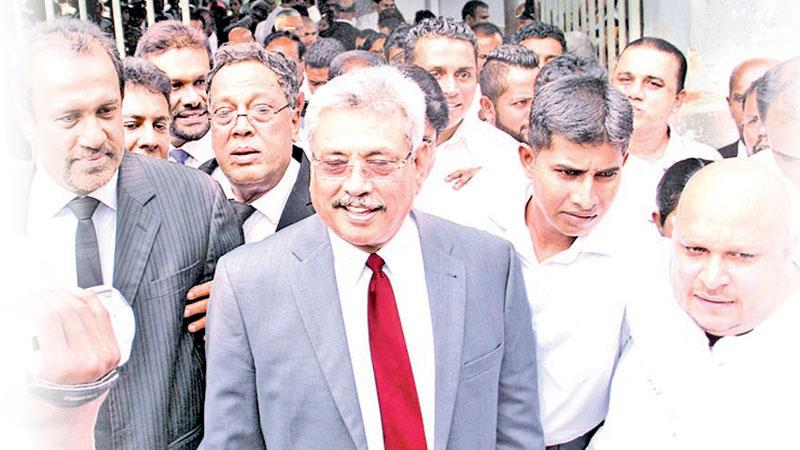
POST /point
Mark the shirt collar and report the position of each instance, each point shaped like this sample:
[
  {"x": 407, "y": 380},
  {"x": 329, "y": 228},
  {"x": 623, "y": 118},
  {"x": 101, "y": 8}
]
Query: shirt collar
[
  {"x": 272, "y": 203},
  {"x": 351, "y": 262},
  {"x": 50, "y": 198},
  {"x": 200, "y": 149}
]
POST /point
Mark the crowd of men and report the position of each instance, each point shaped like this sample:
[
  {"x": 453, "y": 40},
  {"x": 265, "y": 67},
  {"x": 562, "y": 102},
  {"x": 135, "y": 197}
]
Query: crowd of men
[{"x": 285, "y": 231}]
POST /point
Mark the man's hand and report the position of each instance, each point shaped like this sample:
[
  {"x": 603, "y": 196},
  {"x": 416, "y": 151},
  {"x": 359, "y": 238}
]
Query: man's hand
[
  {"x": 198, "y": 296},
  {"x": 75, "y": 338},
  {"x": 461, "y": 177}
]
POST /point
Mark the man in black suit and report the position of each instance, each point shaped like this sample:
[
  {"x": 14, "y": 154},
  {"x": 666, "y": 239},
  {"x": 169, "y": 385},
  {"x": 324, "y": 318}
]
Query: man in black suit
[
  {"x": 742, "y": 76},
  {"x": 253, "y": 94},
  {"x": 100, "y": 216}
]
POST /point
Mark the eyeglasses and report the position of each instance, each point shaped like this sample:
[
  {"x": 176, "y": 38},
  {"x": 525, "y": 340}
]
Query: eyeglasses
[
  {"x": 257, "y": 114},
  {"x": 371, "y": 169}
]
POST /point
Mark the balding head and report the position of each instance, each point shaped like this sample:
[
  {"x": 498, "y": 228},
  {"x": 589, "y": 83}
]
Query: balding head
[
  {"x": 742, "y": 77},
  {"x": 732, "y": 267}
]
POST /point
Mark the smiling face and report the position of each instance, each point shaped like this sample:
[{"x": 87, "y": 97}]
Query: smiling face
[
  {"x": 366, "y": 213},
  {"x": 253, "y": 155},
  {"x": 76, "y": 124},
  {"x": 573, "y": 186},
  {"x": 452, "y": 63},
  {"x": 513, "y": 107},
  {"x": 145, "y": 116},
  {"x": 186, "y": 69},
  {"x": 731, "y": 256}
]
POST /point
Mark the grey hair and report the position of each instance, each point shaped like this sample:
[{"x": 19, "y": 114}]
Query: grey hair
[
  {"x": 338, "y": 65},
  {"x": 778, "y": 85},
  {"x": 582, "y": 110},
  {"x": 566, "y": 65},
  {"x": 436, "y": 112},
  {"x": 141, "y": 72},
  {"x": 498, "y": 62},
  {"x": 282, "y": 66},
  {"x": 320, "y": 54},
  {"x": 439, "y": 27},
  {"x": 376, "y": 89},
  {"x": 72, "y": 35}
]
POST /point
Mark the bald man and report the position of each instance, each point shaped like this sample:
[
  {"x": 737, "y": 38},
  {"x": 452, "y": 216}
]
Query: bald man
[
  {"x": 742, "y": 76},
  {"x": 711, "y": 364}
]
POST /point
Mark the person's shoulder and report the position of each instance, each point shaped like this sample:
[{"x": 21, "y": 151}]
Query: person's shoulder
[
  {"x": 281, "y": 245},
  {"x": 167, "y": 177},
  {"x": 435, "y": 230},
  {"x": 697, "y": 149}
]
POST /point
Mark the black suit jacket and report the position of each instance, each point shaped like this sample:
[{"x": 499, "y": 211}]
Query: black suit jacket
[
  {"x": 730, "y": 150},
  {"x": 298, "y": 205}
]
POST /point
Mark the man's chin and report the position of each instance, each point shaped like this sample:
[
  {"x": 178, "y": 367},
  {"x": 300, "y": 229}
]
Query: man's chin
[{"x": 188, "y": 134}]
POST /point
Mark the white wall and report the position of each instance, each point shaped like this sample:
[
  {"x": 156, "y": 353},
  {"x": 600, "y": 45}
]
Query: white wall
[{"x": 715, "y": 35}]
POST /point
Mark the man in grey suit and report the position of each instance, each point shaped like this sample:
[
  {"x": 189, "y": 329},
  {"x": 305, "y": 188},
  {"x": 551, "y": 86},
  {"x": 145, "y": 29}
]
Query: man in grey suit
[
  {"x": 368, "y": 325},
  {"x": 151, "y": 229}
]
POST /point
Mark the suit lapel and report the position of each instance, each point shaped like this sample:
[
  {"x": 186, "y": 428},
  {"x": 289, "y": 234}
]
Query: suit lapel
[
  {"x": 298, "y": 205},
  {"x": 136, "y": 227},
  {"x": 445, "y": 276},
  {"x": 319, "y": 307}
]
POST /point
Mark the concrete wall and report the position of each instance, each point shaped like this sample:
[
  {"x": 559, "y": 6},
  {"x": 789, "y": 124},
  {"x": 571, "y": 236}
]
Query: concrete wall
[{"x": 715, "y": 35}]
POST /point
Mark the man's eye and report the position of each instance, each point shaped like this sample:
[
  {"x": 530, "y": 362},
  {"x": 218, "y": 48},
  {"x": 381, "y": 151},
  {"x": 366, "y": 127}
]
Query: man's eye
[
  {"x": 130, "y": 125},
  {"x": 607, "y": 174},
  {"x": 655, "y": 84},
  {"x": 68, "y": 119},
  {"x": 261, "y": 109},
  {"x": 223, "y": 112},
  {"x": 161, "y": 126},
  {"x": 200, "y": 83},
  {"x": 624, "y": 79},
  {"x": 692, "y": 250},
  {"x": 107, "y": 111},
  {"x": 176, "y": 86},
  {"x": 569, "y": 172},
  {"x": 464, "y": 75}
]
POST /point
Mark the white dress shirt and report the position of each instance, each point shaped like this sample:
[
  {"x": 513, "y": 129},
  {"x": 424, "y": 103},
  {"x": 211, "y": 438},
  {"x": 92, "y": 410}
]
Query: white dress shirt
[
  {"x": 474, "y": 144},
  {"x": 368, "y": 21},
  {"x": 405, "y": 269},
  {"x": 52, "y": 227},
  {"x": 636, "y": 198},
  {"x": 671, "y": 391},
  {"x": 199, "y": 151},
  {"x": 269, "y": 207},
  {"x": 577, "y": 299}
]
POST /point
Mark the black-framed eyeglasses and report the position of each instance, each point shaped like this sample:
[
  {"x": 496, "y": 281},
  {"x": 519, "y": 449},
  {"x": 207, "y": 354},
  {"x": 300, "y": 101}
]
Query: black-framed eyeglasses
[{"x": 257, "y": 114}]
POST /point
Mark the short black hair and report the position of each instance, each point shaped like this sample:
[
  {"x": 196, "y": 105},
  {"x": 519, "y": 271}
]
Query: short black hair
[
  {"x": 540, "y": 30},
  {"x": 565, "y": 65},
  {"x": 321, "y": 53},
  {"x": 423, "y": 14},
  {"x": 301, "y": 48},
  {"x": 436, "y": 112},
  {"x": 141, "y": 72},
  {"x": 486, "y": 29},
  {"x": 673, "y": 182},
  {"x": 666, "y": 47},
  {"x": 470, "y": 7}
]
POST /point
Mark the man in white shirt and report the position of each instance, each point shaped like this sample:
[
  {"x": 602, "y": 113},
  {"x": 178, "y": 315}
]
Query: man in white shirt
[
  {"x": 506, "y": 82},
  {"x": 742, "y": 76},
  {"x": 448, "y": 50},
  {"x": 254, "y": 118},
  {"x": 182, "y": 52},
  {"x": 779, "y": 109},
  {"x": 575, "y": 260},
  {"x": 368, "y": 324},
  {"x": 710, "y": 361},
  {"x": 652, "y": 73}
]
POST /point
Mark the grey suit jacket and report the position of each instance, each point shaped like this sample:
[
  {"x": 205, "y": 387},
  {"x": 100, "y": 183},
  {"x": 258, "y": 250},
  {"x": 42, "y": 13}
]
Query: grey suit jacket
[
  {"x": 279, "y": 371},
  {"x": 298, "y": 205},
  {"x": 173, "y": 223}
]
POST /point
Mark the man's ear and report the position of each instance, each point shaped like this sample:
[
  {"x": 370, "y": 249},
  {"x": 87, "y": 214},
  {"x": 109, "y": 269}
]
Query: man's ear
[
  {"x": 679, "y": 99},
  {"x": 656, "y": 216},
  {"x": 296, "y": 111},
  {"x": 422, "y": 163},
  {"x": 527, "y": 157},
  {"x": 487, "y": 112}
]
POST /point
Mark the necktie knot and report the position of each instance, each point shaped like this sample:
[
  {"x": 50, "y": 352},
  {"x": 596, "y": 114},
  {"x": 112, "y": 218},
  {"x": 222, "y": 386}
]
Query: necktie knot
[
  {"x": 83, "y": 207},
  {"x": 375, "y": 263},
  {"x": 243, "y": 210},
  {"x": 179, "y": 155}
]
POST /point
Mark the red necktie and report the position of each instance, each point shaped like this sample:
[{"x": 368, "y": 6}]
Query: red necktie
[{"x": 397, "y": 394}]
